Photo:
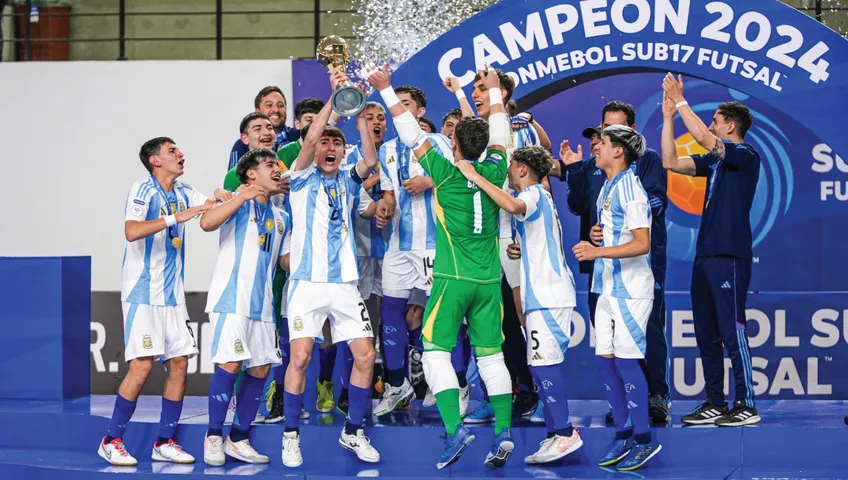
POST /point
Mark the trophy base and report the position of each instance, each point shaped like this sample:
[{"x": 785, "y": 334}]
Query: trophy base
[{"x": 348, "y": 100}]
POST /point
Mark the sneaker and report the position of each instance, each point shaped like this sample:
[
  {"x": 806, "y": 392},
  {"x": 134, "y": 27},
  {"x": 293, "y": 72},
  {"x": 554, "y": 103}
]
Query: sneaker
[
  {"x": 501, "y": 450},
  {"x": 705, "y": 414},
  {"x": 325, "y": 402},
  {"x": 429, "y": 399},
  {"x": 242, "y": 450},
  {"x": 524, "y": 403},
  {"x": 343, "y": 404},
  {"x": 454, "y": 446},
  {"x": 393, "y": 396},
  {"x": 464, "y": 398},
  {"x": 483, "y": 414},
  {"x": 639, "y": 455},
  {"x": 115, "y": 453},
  {"x": 416, "y": 368},
  {"x": 213, "y": 451},
  {"x": 171, "y": 452},
  {"x": 275, "y": 412},
  {"x": 619, "y": 450},
  {"x": 739, "y": 416},
  {"x": 559, "y": 447},
  {"x": 658, "y": 409},
  {"x": 534, "y": 458},
  {"x": 291, "y": 450},
  {"x": 360, "y": 445},
  {"x": 538, "y": 415}
]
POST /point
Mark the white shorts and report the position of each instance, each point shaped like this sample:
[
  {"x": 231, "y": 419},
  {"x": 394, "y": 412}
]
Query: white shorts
[
  {"x": 418, "y": 297},
  {"x": 311, "y": 304},
  {"x": 620, "y": 326},
  {"x": 239, "y": 339},
  {"x": 157, "y": 331},
  {"x": 408, "y": 270},
  {"x": 547, "y": 335},
  {"x": 370, "y": 277},
  {"x": 510, "y": 268},
  {"x": 284, "y": 299}
]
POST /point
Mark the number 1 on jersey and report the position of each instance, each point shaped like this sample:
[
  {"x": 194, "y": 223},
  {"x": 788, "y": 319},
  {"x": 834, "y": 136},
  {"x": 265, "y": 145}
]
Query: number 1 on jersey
[{"x": 478, "y": 213}]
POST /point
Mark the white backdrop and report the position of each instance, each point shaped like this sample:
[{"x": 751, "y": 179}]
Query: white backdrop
[{"x": 70, "y": 137}]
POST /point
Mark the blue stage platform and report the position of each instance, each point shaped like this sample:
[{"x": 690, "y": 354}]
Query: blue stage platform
[{"x": 797, "y": 439}]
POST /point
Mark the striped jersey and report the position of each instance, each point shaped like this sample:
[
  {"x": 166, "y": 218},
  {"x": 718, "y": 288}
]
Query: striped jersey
[
  {"x": 546, "y": 281},
  {"x": 153, "y": 268},
  {"x": 523, "y": 137},
  {"x": 413, "y": 224},
  {"x": 323, "y": 238},
  {"x": 623, "y": 207},
  {"x": 250, "y": 245},
  {"x": 370, "y": 239}
]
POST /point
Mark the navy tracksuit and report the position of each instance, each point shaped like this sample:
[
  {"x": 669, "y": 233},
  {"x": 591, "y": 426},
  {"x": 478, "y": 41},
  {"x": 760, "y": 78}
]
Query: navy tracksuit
[
  {"x": 286, "y": 135},
  {"x": 585, "y": 182},
  {"x": 722, "y": 269}
]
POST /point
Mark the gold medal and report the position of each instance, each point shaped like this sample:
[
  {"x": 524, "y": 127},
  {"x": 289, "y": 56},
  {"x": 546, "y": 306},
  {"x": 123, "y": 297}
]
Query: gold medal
[
  {"x": 344, "y": 228},
  {"x": 177, "y": 242},
  {"x": 261, "y": 240},
  {"x": 607, "y": 202},
  {"x": 269, "y": 224}
]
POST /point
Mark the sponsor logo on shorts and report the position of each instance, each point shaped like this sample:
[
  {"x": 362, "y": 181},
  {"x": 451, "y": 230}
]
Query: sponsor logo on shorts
[
  {"x": 238, "y": 347},
  {"x": 298, "y": 324},
  {"x": 536, "y": 356},
  {"x": 147, "y": 342}
]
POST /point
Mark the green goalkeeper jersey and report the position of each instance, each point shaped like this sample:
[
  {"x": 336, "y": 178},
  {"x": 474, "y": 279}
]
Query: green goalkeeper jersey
[{"x": 467, "y": 245}]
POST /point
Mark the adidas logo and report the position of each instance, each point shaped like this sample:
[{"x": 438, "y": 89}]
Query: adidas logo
[
  {"x": 725, "y": 285},
  {"x": 536, "y": 356},
  {"x": 550, "y": 400},
  {"x": 631, "y": 405},
  {"x": 657, "y": 286},
  {"x": 710, "y": 413},
  {"x": 744, "y": 415},
  {"x": 597, "y": 172}
]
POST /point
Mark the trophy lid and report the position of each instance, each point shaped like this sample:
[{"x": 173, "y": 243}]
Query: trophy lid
[{"x": 332, "y": 49}]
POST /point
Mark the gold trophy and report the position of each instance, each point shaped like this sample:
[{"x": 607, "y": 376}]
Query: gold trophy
[{"x": 348, "y": 99}]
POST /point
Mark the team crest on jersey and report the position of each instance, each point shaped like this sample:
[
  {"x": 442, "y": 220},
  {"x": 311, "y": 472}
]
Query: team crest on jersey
[
  {"x": 298, "y": 324},
  {"x": 280, "y": 227},
  {"x": 607, "y": 202},
  {"x": 269, "y": 224},
  {"x": 136, "y": 211},
  {"x": 496, "y": 156},
  {"x": 238, "y": 347},
  {"x": 182, "y": 205},
  {"x": 147, "y": 342}
]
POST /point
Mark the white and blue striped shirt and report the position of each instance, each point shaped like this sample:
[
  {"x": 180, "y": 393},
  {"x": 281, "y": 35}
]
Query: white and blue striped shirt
[
  {"x": 153, "y": 270},
  {"x": 523, "y": 137},
  {"x": 370, "y": 239},
  {"x": 546, "y": 281},
  {"x": 244, "y": 273},
  {"x": 623, "y": 207},
  {"x": 323, "y": 240},
  {"x": 414, "y": 221}
]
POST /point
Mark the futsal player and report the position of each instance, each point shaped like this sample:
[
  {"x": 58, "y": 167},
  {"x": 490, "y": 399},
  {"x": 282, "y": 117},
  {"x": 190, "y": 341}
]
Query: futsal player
[
  {"x": 721, "y": 272},
  {"x": 271, "y": 102}
]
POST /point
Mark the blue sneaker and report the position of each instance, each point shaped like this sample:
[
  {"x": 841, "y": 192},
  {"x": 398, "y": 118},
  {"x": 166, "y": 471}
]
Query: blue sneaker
[
  {"x": 501, "y": 449},
  {"x": 619, "y": 450},
  {"x": 454, "y": 446},
  {"x": 639, "y": 455},
  {"x": 483, "y": 414},
  {"x": 538, "y": 414}
]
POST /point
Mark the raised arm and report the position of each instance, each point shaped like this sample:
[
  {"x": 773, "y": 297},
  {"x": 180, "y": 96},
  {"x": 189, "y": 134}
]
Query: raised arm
[
  {"x": 670, "y": 160},
  {"x": 409, "y": 132},
  {"x": 453, "y": 85},
  {"x": 316, "y": 129},
  {"x": 366, "y": 164},
  {"x": 496, "y": 193}
]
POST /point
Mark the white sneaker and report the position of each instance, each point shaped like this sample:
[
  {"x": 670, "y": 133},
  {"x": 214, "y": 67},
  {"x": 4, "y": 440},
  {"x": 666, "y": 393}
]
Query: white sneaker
[
  {"x": 464, "y": 398},
  {"x": 543, "y": 446},
  {"x": 242, "y": 450},
  {"x": 360, "y": 445},
  {"x": 393, "y": 396},
  {"x": 560, "y": 447},
  {"x": 115, "y": 453},
  {"x": 213, "y": 450},
  {"x": 171, "y": 452},
  {"x": 291, "y": 450},
  {"x": 429, "y": 399}
]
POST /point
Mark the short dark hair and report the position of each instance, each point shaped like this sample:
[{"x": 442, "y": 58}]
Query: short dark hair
[
  {"x": 472, "y": 137},
  {"x": 150, "y": 148},
  {"x": 251, "y": 160},
  {"x": 245, "y": 122},
  {"x": 429, "y": 124},
  {"x": 308, "y": 105},
  {"x": 264, "y": 92},
  {"x": 512, "y": 108},
  {"x": 416, "y": 93},
  {"x": 536, "y": 158},
  {"x": 333, "y": 132},
  {"x": 304, "y": 131},
  {"x": 455, "y": 113},
  {"x": 739, "y": 114},
  {"x": 507, "y": 83},
  {"x": 616, "y": 106}
]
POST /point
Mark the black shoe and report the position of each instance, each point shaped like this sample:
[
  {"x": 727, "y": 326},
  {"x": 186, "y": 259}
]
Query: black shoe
[
  {"x": 276, "y": 413},
  {"x": 420, "y": 389},
  {"x": 658, "y": 409},
  {"x": 608, "y": 418},
  {"x": 342, "y": 404},
  {"x": 705, "y": 414},
  {"x": 739, "y": 416},
  {"x": 524, "y": 403}
]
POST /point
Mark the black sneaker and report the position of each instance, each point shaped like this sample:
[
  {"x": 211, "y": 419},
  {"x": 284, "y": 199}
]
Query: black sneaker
[
  {"x": 658, "y": 409},
  {"x": 342, "y": 404},
  {"x": 739, "y": 416},
  {"x": 706, "y": 414},
  {"x": 275, "y": 415},
  {"x": 524, "y": 403},
  {"x": 608, "y": 418}
]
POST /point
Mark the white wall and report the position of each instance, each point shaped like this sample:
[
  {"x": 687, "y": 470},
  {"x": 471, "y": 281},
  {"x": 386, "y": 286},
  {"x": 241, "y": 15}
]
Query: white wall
[{"x": 70, "y": 136}]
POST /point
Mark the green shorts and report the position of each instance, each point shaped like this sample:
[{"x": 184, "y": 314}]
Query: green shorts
[{"x": 451, "y": 301}]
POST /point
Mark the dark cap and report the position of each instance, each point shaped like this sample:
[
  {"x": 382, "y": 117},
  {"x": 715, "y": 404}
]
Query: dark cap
[{"x": 589, "y": 132}]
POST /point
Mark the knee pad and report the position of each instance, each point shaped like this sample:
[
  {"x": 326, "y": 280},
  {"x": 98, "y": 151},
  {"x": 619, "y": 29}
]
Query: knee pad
[
  {"x": 438, "y": 371},
  {"x": 494, "y": 374}
]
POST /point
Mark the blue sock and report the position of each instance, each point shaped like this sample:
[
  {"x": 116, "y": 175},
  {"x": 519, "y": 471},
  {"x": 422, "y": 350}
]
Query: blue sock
[
  {"x": 220, "y": 390},
  {"x": 346, "y": 363},
  {"x": 636, "y": 388},
  {"x": 120, "y": 418},
  {"x": 395, "y": 338},
  {"x": 247, "y": 404},
  {"x": 554, "y": 396},
  {"x": 415, "y": 339},
  {"x": 292, "y": 405},
  {"x": 358, "y": 399},
  {"x": 326, "y": 362},
  {"x": 171, "y": 411},
  {"x": 615, "y": 394}
]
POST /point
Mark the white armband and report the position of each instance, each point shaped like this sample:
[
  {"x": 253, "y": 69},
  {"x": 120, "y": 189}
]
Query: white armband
[
  {"x": 460, "y": 94},
  {"x": 389, "y": 96},
  {"x": 495, "y": 96},
  {"x": 499, "y": 129},
  {"x": 170, "y": 220},
  {"x": 409, "y": 131}
]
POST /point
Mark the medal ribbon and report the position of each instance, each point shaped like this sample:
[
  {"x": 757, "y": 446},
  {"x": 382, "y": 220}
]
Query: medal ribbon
[
  {"x": 258, "y": 209},
  {"x": 335, "y": 201},
  {"x": 173, "y": 230},
  {"x": 608, "y": 186}
]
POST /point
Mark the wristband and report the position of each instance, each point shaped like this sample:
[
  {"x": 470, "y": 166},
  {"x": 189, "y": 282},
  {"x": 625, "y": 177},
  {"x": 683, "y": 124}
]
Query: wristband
[
  {"x": 680, "y": 104},
  {"x": 495, "y": 96},
  {"x": 460, "y": 94},
  {"x": 331, "y": 122},
  {"x": 170, "y": 220},
  {"x": 389, "y": 96}
]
